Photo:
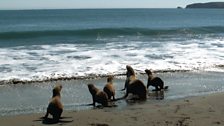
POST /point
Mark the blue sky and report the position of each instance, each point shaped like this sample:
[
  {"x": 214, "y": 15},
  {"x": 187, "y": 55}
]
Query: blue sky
[{"x": 63, "y": 4}]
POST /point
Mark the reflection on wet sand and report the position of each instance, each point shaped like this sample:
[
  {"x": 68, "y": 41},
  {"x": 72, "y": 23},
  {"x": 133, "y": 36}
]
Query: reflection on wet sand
[{"x": 158, "y": 95}]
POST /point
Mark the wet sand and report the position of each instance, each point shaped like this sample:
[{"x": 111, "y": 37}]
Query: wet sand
[
  {"x": 33, "y": 98},
  {"x": 192, "y": 100},
  {"x": 204, "y": 110}
]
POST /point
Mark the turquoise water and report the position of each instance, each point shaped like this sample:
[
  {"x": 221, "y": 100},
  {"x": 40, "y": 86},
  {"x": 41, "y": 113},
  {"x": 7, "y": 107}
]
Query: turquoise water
[
  {"x": 37, "y": 45},
  {"x": 35, "y": 27},
  {"x": 44, "y": 45}
]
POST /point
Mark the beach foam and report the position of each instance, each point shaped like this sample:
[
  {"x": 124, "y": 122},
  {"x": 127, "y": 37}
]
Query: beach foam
[{"x": 46, "y": 62}]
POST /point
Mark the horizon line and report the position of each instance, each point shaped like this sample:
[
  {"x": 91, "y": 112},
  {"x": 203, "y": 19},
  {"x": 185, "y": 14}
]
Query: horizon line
[{"x": 87, "y": 8}]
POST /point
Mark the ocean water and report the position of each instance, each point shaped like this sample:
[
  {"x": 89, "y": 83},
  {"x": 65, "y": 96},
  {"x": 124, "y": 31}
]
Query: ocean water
[
  {"x": 39, "y": 45},
  {"x": 184, "y": 47}
]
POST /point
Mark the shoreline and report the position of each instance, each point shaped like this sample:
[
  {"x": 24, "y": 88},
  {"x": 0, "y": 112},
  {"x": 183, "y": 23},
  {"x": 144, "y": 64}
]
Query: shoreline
[
  {"x": 204, "y": 110},
  {"x": 87, "y": 77},
  {"x": 95, "y": 76}
]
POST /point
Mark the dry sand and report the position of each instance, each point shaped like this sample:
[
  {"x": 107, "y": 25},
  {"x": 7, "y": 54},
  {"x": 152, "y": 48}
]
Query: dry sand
[{"x": 195, "y": 111}]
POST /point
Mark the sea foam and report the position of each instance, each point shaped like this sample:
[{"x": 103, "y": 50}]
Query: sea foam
[{"x": 46, "y": 62}]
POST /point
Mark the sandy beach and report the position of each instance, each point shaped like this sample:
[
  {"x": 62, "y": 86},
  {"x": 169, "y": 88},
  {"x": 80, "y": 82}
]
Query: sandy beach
[{"x": 205, "y": 110}]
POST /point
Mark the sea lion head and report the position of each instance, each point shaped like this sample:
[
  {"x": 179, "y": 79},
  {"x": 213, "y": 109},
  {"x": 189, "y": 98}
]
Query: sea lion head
[
  {"x": 57, "y": 90},
  {"x": 92, "y": 89},
  {"x": 130, "y": 71},
  {"x": 110, "y": 78},
  {"x": 148, "y": 72}
]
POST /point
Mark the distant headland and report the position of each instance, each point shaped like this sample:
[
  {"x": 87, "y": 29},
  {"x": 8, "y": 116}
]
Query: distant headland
[{"x": 218, "y": 5}]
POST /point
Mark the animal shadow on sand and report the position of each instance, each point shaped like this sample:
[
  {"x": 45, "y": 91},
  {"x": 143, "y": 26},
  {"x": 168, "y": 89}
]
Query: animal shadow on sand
[{"x": 52, "y": 121}]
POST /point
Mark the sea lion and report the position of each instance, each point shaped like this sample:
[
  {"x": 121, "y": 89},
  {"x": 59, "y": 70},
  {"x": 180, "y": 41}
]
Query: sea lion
[
  {"x": 109, "y": 88},
  {"x": 155, "y": 81},
  {"x": 98, "y": 96},
  {"x": 134, "y": 85},
  {"x": 55, "y": 107},
  {"x": 130, "y": 75}
]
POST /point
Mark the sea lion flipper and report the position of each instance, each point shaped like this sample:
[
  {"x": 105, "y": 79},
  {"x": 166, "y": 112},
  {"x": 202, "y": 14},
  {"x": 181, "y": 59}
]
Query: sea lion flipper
[
  {"x": 166, "y": 87},
  {"x": 122, "y": 89}
]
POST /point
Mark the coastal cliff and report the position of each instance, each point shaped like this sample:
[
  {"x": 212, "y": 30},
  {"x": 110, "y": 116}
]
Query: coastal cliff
[{"x": 217, "y": 5}]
